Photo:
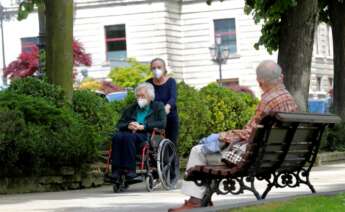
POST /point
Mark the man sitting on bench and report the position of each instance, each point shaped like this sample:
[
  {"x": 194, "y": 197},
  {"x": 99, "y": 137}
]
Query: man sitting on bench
[{"x": 275, "y": 98}]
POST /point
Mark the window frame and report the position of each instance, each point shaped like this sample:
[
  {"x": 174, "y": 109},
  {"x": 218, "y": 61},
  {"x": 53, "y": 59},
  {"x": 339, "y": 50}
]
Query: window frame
[
  {"x": 213, "y": 34},
  {"x": 27, "y": 46},
  {"x": 115, "y": 39}
]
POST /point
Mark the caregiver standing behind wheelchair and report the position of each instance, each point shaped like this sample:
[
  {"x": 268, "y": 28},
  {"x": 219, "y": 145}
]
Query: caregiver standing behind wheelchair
[
  {"x": 134, "y": 128},
  {"x": 166, "y": 92}
]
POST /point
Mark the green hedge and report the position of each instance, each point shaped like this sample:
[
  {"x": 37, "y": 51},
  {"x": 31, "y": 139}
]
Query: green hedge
[
  {"x": 38, "y": 88},
  {"x": 212, "y": 109},
  {"x": 97, "y": 113},
  {"x": 132, "y": 75},
  {"x": 335, "y": 138},
  {"x": 194, "y": 117},
  {"x": 36, "y": 135},
  {"x": 40, "y": 130}
]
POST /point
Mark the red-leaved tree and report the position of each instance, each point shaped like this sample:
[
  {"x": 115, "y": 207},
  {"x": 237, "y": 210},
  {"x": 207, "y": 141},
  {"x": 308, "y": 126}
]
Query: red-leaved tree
[{"x": 27, "y": 62}]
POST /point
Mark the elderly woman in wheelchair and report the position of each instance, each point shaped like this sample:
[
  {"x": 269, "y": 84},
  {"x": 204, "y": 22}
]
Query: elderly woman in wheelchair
[{"x": 135, "y": 129}]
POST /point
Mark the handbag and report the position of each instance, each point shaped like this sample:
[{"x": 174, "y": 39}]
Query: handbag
[{"x": 236, "y": 153}]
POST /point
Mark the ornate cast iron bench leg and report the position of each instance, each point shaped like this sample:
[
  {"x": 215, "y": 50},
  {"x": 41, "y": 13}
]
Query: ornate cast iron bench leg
[
  {"x": 288, "y": 179},
  {"x": 211, "y": 188},
  {"x": 252, "y": 188}
]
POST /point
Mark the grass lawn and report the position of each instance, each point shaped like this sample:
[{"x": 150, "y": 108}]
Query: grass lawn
[{"x": 303, "y": 204}]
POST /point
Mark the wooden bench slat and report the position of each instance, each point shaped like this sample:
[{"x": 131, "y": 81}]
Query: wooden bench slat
[{"x": 307, "y": 118}]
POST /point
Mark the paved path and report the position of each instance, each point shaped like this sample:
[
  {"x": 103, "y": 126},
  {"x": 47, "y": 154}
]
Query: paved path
[{"x": 325, "y": 178}]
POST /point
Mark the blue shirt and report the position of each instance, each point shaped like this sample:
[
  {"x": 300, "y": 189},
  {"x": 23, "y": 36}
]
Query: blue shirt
[
  {"x": 142, "y": 114},
  {"x": 167, "y": 94}
]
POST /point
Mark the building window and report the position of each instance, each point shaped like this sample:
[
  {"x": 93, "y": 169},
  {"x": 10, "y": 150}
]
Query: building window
[
  {"x": 28, "y": 44},
  {"x": 116, "y": 46},
  {"x": 318, "y": 83},
  {"x": 226, "y": 30},
  {"x": 330, "y": 81}
]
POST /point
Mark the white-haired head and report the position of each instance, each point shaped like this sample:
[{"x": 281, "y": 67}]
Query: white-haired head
[
  {"x": 147, "y": 88},
  {"x": 269, "y": 72}
]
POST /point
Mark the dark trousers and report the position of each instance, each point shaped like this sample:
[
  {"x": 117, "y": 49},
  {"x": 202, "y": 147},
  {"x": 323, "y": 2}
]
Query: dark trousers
[
  {"x": 171, "y": 130},
  {"x": 171, "y": 133},
  {"x": 125, "y": 146}
]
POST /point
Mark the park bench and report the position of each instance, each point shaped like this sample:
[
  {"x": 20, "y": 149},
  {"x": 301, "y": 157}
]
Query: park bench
[{"x": 283, "y": 150}]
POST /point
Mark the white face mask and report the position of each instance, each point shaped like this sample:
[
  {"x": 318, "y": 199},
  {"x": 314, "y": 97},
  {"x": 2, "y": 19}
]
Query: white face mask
[
  {"x": 157, "y": 73},
  {"x": 142, "y": 102}
]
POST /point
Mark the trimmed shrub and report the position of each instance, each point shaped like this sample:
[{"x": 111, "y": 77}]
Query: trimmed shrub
[
  {"x": 336, "y": 138},
  {"x": 97, "y": 113},
  {"x": 212, "y": 109},
  {"x": 229, "y": 110},
  {"x": 194, "y": 117},
  {"x": 39, "y": 130},
  {"x": 131, "y": 75},
  {"x": 41, "y": 136},
  {"x": 38, "y": 88}
]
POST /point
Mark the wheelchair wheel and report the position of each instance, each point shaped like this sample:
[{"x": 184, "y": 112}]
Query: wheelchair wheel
[
  {"x": 121, "y": 185},
  {"x": 116, "y": 188},
  {"x": 166, "y": 164},
  {"x": 149, "y": 183}
]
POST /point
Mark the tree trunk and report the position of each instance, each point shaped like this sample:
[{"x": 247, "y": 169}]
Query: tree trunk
[
  {"x": 296, "y": 48},
  {"x": 337, "y": 15},
  {"x": 59, "y": 44}
]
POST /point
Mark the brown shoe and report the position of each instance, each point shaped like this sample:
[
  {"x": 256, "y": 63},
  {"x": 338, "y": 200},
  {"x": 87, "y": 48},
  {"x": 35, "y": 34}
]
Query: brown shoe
[{"x": 186, "y": 206}]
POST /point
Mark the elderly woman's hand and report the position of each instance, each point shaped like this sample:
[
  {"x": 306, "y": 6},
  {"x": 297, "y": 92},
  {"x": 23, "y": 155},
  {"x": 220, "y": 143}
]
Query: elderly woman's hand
[
  {"x": 140, "y": 127},
  {"x": 135, "y": 126}
]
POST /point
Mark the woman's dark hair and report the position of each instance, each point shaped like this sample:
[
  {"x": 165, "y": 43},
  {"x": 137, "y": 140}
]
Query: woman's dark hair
[{"x": 160, "y": 60}]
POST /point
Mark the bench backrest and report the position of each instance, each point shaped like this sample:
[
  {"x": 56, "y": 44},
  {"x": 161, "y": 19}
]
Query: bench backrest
[{"x": 287, "y": 141}]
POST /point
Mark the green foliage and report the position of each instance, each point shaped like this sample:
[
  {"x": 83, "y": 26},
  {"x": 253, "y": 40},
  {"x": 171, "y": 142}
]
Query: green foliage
[
  {"x": 132, "y": 75},
  {"x": 269, "y": 13},
  {"x": 336, "y": 138},
  {"x": 97, "y": 113},
  {"x": 39, "y": 131},
  {"x": 37, "y": 135},
  {"x": 212, "y": 109},
  {"x": 229, "y": 110},
  {"x": 26, "y": 7},
  {"x": 38, "y": 88},
  {"x": 194, "y": 116},
  {"x": 324, "y": 11}
]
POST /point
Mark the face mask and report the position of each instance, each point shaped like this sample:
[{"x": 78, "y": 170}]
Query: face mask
[
  {"x": 158, "y": 73},
  {"x": 142, "y": 102}
]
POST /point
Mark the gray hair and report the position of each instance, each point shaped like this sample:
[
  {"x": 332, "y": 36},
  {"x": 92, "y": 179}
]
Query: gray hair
[
  {"x": 269, "y": 72},
  {"x": 148, "y": 87}
]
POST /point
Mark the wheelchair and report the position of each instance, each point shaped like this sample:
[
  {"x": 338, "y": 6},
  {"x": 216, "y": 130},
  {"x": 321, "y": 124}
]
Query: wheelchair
[{"x": 155, "y": 164}]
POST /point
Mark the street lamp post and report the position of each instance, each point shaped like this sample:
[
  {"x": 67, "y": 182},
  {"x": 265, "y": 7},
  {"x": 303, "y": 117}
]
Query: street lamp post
[
  {"x": 2, "y": 16},
  {"x": 220, "y": 55}
]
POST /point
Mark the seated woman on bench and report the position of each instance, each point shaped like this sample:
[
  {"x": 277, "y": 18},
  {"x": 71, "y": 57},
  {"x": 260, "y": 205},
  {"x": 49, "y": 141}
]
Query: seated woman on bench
[
  {"x": 274, "y": 98},
  {"x": 134, "y": 128}
]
